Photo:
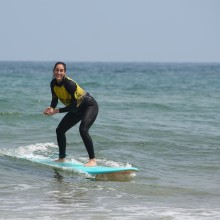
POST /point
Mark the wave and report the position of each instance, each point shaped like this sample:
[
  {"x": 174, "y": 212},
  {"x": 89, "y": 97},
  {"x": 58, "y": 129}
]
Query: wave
[
  {"x": 9, "y": 113},
  {"x": 158, "y": 106},
  {"x": 49, "y": 150},
  {"x": 30, "y": 151},
  {"x": 21, "y": 114}
]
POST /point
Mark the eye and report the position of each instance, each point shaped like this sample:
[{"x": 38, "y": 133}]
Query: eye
[{"x": 60, "y": 70}]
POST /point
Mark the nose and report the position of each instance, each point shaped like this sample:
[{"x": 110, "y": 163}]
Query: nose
[{"x": 59, "y": 71}]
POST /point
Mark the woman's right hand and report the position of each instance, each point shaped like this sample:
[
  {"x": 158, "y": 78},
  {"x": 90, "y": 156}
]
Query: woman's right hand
[{"x": 48, "y": 111}]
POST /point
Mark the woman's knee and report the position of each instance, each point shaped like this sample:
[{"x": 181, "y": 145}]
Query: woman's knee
[
  {"x": 83, "y": 131},
  {"x": 59, "y": 131}
]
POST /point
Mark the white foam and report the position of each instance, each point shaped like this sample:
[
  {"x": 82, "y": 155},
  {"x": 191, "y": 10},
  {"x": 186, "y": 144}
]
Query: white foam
[
  {"x": 171, "y": 213},
  {"x": 112, "y": 163},
  {"x": 38, "y": 150}
]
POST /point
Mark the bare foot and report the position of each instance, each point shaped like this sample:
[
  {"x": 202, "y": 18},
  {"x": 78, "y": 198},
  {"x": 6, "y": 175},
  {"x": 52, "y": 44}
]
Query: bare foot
[
  {"x": 60, "y": 160},
  {"x": 91, "y": 163}
]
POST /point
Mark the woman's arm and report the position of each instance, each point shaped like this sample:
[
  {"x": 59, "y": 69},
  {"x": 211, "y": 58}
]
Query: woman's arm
[{"x": 51, "y": 110}]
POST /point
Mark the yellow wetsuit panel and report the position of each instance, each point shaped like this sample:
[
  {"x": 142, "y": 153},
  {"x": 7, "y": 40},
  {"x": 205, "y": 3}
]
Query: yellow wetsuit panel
[
  {"x": 62, "y": 95},
  {"x": 79, "y": 94},
  {"x": 65, "y": 97}
]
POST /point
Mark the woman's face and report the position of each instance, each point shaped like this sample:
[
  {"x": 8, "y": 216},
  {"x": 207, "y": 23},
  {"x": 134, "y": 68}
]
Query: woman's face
[{"x": 59, "y": 72}]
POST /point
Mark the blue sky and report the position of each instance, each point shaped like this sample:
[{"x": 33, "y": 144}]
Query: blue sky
[{"x": 110, "y": 30}]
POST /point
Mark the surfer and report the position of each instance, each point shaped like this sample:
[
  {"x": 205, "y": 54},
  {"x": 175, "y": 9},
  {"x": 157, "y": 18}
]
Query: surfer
[{"x": 80, "y": 107}]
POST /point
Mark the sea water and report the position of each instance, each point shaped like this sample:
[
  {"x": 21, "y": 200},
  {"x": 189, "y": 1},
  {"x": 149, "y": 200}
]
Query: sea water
[{"x": 162, "y": 118}]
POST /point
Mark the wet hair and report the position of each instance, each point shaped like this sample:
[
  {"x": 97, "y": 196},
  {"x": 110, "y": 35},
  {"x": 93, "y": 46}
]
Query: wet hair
[{"x": 57, "y": 63}]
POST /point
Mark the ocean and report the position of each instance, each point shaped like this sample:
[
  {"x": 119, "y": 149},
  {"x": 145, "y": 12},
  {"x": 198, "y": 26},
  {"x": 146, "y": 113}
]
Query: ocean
[{"x": 162, "y": 118}]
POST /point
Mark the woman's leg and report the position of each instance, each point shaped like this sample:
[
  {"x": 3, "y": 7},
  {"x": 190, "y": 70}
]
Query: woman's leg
[
  {"x": 68, "y": 121},
  {"x": 88, "y": 119}
]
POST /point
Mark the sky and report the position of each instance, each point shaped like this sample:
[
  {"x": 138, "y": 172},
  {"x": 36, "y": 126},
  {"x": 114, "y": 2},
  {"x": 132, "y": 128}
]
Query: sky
[{"x": 110, "y": 30}]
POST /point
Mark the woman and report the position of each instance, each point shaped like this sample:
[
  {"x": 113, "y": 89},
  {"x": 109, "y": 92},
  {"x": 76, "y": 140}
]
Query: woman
[{"x": 79, "y": 105}]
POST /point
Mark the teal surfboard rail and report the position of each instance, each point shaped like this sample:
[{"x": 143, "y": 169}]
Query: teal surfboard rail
[{"x": 81, "y": 168}]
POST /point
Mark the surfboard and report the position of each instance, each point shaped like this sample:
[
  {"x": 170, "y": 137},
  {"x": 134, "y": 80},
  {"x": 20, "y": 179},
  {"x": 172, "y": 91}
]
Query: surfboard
[
  {"x": 80, "y": 167},
  {"x": 99, "y": 172},
  {"x": 121, "y": 173}
]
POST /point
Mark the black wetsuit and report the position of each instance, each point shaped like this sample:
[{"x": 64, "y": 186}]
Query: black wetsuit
[{"x": 80, "y": 106}]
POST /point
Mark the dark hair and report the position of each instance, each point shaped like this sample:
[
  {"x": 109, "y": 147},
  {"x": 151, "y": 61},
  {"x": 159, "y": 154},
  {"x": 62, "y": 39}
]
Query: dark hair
[{"x": 57, "y": 63}]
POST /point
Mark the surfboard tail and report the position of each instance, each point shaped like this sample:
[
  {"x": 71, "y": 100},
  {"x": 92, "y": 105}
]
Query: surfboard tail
[{"x": 122, "y": 176}]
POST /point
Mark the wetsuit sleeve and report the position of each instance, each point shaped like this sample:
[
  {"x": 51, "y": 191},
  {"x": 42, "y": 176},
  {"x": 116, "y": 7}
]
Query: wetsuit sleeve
[
  {"x": 71, "y": 88},
  {"x": 54, "y": 100}
]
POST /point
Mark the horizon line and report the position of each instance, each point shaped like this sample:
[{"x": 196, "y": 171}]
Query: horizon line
[{"x": 71, "y": 61}]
